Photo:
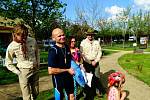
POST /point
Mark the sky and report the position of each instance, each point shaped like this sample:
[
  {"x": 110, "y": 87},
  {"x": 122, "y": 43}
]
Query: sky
[{"x": 106, "y": 8}]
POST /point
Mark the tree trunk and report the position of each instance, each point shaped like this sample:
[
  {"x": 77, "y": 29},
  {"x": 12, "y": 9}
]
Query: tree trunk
[{"x": 33, "y": 18}]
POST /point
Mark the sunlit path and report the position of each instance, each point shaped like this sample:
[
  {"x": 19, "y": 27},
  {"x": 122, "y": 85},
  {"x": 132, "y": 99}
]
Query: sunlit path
[{"x": 137, "y": 90}]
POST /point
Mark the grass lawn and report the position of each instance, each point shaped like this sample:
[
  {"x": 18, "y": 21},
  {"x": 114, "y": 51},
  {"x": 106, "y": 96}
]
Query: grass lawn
[
  {"x": 107, "y": 52},
  {"x": 7, "y": 77},
  {"x": 49, "y": 95},
  {"x": 137, "y": 65},
  {"x": 119, "y": 46}
]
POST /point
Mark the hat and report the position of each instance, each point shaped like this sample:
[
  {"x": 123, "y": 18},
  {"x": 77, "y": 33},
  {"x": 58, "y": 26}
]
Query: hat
[
  {"x": 115, "y": 77},
  {"x": 90, "y": 31}
]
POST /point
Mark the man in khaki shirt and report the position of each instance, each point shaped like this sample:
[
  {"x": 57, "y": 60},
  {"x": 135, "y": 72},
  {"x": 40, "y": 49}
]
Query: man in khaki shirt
[
  {"x": 91, "y": 53},
  {"x": 24, "y": 50}
]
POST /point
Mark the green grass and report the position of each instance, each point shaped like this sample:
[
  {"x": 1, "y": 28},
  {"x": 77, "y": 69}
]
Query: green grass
[
  {"x": 43, "y": 72},
  {"x": 108, "y": 52},
  {"x": 147, "y": 50},
  {"x": 46, "y": 95},
  {"x": 7, "y": 77},
  {"x": 137, "y": 65},
  {"x": 43, "y": 56},
  {"x": 49, "y": 95},
  {"x": 119, "y": 46}
]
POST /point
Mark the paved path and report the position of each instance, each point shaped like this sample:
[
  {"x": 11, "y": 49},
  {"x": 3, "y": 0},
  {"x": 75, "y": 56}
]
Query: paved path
[{"x": 137, "y": 90}]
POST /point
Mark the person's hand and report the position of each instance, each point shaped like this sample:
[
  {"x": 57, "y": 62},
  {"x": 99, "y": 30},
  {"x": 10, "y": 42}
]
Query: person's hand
[
  {"x": 71, "y": 71},
  {"x": 94, "y": 63},
  {"x": 82, "y": 67},
  {"x": 17, "y": 72}
]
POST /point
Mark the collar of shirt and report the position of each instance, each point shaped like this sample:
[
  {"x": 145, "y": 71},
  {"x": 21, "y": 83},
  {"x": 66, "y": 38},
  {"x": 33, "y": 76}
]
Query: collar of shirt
[{"x": 89, "y": 41}]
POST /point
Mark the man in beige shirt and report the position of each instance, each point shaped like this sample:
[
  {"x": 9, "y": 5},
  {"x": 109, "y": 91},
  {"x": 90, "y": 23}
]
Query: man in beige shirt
[
  {"x": 24, "y": 50},
  {"x": 91, "y": 53}
]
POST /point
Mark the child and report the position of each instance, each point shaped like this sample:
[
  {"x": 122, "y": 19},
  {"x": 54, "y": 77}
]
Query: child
[{"x": 115, "y": 82}]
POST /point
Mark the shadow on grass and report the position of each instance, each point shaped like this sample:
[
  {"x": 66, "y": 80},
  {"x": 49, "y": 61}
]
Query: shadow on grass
[{"x": 48, "y": 95}]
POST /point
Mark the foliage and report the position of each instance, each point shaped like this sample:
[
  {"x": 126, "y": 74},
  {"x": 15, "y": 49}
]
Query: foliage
[
  {"x": 77, "y": 30},
  {"x": 40, "y": 15},
  {"x": 137, "y": 65}
]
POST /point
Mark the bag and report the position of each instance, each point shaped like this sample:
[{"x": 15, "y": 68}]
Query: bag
[{"x": 79, "y": 77}]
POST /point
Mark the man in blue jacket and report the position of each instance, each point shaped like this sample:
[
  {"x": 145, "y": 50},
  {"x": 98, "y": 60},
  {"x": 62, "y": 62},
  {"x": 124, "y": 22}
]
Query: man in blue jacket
[{"x": 59, "y": 65}]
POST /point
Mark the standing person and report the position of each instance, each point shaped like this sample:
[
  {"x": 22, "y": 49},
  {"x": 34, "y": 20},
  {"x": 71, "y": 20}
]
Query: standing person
[
  {"x": 91, "y": 52},
  {"x": 59, "y": 66},
  {"x": 79, "y": 71},
  {"x": 74, "y": 50},
  {"x": 24, "y": 50}
]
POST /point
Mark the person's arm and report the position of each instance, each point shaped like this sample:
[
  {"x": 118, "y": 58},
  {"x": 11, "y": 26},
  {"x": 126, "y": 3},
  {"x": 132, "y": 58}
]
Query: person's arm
[
  {"x": 9, "y": 62},
  {"x": 98, "y": 57},
  {"x": 52, "y": 66},
  {"x": 82, "y": 53},
  {"x": 117, "y": 94},
  {"x": 58, "y": 70},
  {"x": 37, "y": 55},
  {"x": 99, "y": 54}
]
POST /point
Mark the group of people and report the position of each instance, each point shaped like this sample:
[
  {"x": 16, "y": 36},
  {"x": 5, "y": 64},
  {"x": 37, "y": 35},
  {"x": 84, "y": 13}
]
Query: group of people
[{"x": 25, "y": 50}]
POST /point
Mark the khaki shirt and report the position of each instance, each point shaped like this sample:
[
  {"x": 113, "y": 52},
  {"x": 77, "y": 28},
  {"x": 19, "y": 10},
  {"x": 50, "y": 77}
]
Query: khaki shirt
[
  {"x": 90, "y": 50},
  {"x": 14, "y": 51}
]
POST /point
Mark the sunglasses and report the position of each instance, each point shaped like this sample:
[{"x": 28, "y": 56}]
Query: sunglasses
[{"x": 73, "y": 41}]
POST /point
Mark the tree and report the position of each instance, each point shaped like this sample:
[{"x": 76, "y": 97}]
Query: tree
[
  {"x": 123, "y": 19},
  {"x": 38, "y": 14}
]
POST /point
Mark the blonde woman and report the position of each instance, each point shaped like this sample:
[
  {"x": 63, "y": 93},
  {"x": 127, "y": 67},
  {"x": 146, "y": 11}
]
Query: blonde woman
[{"x": 24, "y": 50}]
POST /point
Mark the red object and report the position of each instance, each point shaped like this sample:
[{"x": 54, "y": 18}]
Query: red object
[
  {"x": 115, "y": 77},
  {"x": 76, "y": 55}
]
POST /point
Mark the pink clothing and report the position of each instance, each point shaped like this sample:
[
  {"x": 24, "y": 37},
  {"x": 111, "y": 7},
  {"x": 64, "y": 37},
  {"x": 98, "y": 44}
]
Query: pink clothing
[
  {"x": 76, "y": 55},
  {"x": 112, "y": 93}
]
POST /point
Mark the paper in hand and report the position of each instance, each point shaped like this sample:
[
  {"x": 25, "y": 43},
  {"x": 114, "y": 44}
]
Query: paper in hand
[{"x": 89, "y": 78}]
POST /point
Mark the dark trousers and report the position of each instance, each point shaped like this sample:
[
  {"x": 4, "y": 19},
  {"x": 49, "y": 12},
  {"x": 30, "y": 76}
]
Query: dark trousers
[{"x": 95, "y": 84}]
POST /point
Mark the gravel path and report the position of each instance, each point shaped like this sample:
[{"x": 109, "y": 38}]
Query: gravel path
[{"x": 136, "y": 89}]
